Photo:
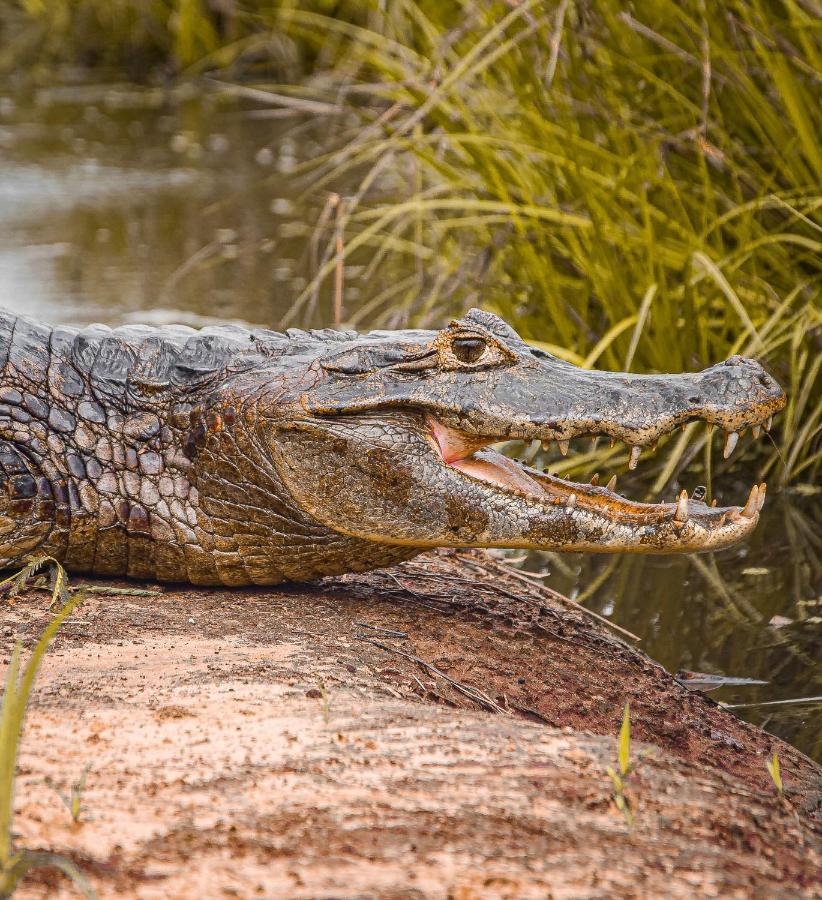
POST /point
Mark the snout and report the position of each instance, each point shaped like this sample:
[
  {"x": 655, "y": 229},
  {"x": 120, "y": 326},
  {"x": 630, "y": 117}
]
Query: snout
[
  {"x": 569, "y": 402},
  {"x": 737, "y": 394}
]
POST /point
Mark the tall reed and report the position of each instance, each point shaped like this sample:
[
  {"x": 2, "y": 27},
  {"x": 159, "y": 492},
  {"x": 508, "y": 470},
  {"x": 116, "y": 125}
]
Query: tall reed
[{"x": 637, "y": 190}]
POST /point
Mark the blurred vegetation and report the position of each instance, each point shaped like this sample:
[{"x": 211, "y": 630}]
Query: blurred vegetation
[
  {"x": 134, "y": 35},
  {"x": 147, "y": 38},
  {"x": 637, "y": 186}
]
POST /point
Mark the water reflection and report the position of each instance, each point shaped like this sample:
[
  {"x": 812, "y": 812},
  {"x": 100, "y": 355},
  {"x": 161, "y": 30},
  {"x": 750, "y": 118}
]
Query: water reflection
[
  {"x": 114, "y": 201},
  {"x": 123, "y": 205}
]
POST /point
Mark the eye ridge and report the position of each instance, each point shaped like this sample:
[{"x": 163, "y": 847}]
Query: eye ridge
[{"x": 468, "y": 349}]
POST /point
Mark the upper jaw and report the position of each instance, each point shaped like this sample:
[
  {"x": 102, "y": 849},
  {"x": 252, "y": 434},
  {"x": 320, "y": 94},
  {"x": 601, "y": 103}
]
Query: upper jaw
[
  {"x": 455, "y": 439},
  {"x": 559, "y": 402}
]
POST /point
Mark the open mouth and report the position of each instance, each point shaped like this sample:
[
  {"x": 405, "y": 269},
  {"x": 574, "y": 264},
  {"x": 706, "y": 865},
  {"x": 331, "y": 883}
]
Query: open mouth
[{"x": 472, "y": 456}]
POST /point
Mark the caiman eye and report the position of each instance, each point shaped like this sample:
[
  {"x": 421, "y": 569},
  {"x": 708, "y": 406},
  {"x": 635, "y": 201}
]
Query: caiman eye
[{"x": 468, "y": 349}]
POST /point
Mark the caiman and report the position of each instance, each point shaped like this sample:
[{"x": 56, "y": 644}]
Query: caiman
[{"x": 228, "y": 456}]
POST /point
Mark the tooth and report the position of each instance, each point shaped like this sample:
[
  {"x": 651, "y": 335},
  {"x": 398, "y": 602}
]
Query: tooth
[
  {"x": 611, "y": 486},
  {"x": 722, "y": 519},
  {"x": 751, "y": 507},
  {"x": 594, "y": 441},
  {"x": 571, "y": 502},
  {"x": 713, "y": 503},
  {"x": 563, "y": 447},
  {"x": 756, "y": 431},
  {"x": 731, "y": 437},
  {"x": 546, "y": 445},
  {"x": 611, "y": 442},
  {"x": 761, "y": 502},
  {"x": 634, "y": 458},
  {"x": 769, "y": 423},
  {"x": 595, "y": 479},
  {"x": 681, "y": 514}
]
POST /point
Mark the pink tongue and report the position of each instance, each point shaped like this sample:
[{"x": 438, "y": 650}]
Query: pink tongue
[
  {"x": 454, "y": 445},
  {"x": 497, "y": 469}
]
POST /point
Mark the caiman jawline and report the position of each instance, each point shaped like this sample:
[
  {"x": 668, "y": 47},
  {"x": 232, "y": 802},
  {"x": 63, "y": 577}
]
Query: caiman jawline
[{"x": 471, "y": 456}]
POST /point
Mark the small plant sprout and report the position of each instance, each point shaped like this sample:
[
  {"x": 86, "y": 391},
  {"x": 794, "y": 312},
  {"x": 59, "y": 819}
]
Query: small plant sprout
[
  {"x": 326, "y": 705},
  {"x": 75, "y": 798},
  {"x": 16, "y": 862},
  {"x": 73, "y": 801},
  {"x": 775, "y": 772},
  {"x": 625, "y": 765}
]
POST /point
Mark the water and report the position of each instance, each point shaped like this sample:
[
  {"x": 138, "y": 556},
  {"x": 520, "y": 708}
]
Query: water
[
  {"x": 118, "y": 205},
  {"x": 121, "y": 205}
]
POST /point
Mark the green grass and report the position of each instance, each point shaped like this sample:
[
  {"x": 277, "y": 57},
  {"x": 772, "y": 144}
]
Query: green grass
[
  {"x": 16, "y": 862},
  {"x": 73, "y": 800},
  {"x": 624, "y": 768},
  {"x": 774, "y": 770}
]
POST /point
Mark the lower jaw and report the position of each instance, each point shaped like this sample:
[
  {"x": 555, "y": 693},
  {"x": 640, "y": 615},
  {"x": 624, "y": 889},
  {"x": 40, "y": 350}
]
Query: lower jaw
[{"x": 512, "y": 478}]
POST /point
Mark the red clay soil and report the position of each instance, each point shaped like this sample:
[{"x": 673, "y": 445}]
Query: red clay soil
[{"x": 439, "y": 729}]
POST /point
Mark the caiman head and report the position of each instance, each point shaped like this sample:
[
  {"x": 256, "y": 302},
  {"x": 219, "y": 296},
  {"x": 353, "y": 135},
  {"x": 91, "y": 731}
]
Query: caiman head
[{"x": 393, "y": 443}]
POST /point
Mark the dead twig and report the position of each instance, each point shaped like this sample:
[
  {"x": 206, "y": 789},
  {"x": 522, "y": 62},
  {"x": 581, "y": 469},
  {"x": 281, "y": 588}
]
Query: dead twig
[
  {"x": 657, "y": 38},
  {"x": 555, "y": 595},
  {"x": 520, "y": 598},
  {"x": 408, "y": 590},
  {"x": 556, "y": 40},
  {"x": 301, "y": 104},
  {"x": 388, "y": 631},
  {"x": 308, "y": 633},
  {"x": 421, "y": 686},
  {"x": 472, "y": 693}
]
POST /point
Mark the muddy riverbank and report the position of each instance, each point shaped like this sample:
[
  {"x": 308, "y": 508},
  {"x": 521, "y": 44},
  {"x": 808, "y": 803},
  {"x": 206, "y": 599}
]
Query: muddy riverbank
[{"x": 440, "y": 729}]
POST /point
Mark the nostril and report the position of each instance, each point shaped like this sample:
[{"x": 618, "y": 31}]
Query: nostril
[
  {"x": 695, "y": 400},
  {"x": 764, "y": 380}
]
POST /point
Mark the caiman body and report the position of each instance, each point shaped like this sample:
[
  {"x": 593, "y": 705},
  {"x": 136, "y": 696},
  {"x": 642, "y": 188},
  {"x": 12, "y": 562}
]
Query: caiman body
[{"x": 230, "y": 456}]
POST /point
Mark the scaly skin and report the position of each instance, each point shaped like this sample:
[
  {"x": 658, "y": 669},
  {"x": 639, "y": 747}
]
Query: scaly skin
[{"x": 227, "y": 456}]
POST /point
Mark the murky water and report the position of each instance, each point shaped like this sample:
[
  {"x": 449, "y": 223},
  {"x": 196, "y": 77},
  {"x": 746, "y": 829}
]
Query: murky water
[{"x": 121, "y": 205}]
